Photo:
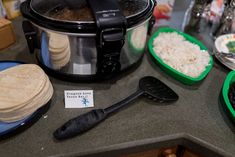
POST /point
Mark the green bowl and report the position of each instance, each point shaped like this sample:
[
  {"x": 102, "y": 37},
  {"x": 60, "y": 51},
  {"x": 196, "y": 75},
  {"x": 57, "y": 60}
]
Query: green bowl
[
  {"x": 169, "y": 70},
  {"x": 225, "y": 100}
]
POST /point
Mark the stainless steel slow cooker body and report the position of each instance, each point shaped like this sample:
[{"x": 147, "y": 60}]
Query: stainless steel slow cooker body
[{"x": 83, "y": 60}]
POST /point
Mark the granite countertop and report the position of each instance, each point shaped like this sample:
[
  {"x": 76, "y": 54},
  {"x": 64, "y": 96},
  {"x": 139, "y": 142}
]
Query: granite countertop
[{"x": 197, "y": 114}]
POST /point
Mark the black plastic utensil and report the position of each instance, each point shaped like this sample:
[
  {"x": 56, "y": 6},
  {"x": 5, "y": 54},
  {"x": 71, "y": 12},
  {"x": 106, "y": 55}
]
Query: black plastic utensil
[{"x": 149, "y": 86}]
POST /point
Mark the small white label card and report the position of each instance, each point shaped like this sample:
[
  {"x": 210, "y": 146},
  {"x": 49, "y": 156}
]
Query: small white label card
[
  {"x": 82, "y": 69},
  {"x": 78, "y": 98}
]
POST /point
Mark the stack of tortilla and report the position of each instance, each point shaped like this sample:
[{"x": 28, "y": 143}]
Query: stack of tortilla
[
  {"x": 24, "y": 89},
  {"x": 59, "y": 48}
]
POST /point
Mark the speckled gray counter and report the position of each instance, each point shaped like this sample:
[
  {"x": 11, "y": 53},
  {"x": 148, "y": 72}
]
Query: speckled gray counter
[{"x": 196, "y": 116}]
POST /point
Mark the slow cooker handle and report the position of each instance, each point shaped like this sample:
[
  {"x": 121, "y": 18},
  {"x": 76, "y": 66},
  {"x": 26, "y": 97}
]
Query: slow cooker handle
[
  {"x": 110, "y": 37},
  {"x": 30, "y": 31},
  {"x": 30, "y": 35},
  {"x": 152, "y": 20}
]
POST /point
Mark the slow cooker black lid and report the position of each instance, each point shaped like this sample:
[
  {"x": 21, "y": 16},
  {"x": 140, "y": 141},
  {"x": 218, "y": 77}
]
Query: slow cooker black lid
[{"x": 56, "y": 14}]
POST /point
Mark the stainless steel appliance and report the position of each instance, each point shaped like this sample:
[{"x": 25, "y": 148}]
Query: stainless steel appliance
[{"x": 87, "y": 39}]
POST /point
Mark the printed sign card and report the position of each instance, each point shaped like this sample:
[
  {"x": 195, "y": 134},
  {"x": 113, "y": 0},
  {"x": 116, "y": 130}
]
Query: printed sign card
[{"x": 78, "y": 98}]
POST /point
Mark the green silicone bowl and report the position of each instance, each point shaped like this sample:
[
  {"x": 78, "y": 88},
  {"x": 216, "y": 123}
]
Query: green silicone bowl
[
  {"x": 169, "y": 70},
  {"x": 225, "y": 100}
]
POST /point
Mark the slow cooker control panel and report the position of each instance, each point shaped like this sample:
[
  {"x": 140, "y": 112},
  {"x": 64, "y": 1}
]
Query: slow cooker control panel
[
  {"x": 110, "y": 67},
  {"x": 112, "y": 42},
  {"x": 110, "y": 36}
]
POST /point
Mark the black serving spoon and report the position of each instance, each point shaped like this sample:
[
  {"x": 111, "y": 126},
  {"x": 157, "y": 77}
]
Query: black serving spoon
[{"x": 149, "y": 86}]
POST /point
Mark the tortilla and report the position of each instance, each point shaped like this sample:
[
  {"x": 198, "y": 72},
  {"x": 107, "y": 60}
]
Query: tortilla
[
  {"x": 60, "y": 56},
  {"x": 19, "y": 85},
  {"x": 58, "y": 42},
  {"x": 57, "y": 64},
  {"x": 43, "y": 97}
]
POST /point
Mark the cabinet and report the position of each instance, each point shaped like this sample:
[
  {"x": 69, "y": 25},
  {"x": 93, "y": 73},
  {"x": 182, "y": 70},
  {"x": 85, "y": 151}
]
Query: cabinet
[{"x": 177, "y": 151}]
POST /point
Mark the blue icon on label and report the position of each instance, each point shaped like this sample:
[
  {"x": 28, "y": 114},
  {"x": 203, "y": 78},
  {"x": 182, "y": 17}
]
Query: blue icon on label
[{"x": 85, "y": 101}]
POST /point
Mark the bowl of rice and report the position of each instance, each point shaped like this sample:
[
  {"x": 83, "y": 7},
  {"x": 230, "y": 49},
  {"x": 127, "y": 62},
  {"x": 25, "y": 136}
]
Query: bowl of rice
[{"x": 180, "y": 55}]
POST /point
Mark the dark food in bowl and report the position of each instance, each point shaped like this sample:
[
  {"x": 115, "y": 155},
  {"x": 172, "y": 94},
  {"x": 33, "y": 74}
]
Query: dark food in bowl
[
  {"x": 85, "y": 13},
  {"x": 231, "y": 94}
]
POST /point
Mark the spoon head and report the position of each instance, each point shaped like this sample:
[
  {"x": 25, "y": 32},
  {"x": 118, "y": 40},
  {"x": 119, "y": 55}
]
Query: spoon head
[{"x": 157, "y": 90}]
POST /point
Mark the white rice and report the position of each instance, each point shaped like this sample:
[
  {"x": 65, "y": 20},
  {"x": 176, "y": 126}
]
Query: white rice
[{"x": 180, "y": 54}]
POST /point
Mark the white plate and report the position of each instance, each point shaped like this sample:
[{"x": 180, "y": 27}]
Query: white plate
[{"x": 221, "y": 46}]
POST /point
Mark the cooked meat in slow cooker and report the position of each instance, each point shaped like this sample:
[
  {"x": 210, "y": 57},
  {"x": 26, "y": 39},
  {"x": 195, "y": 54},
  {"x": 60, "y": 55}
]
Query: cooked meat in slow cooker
[{"x": 85, "y": 13}]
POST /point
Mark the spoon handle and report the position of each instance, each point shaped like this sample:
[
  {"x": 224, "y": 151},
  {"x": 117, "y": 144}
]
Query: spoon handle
[
  {"x": 87, "y": 121},
  {"x": 116, "y": 107},
  {"x": 80, "y": 124}
]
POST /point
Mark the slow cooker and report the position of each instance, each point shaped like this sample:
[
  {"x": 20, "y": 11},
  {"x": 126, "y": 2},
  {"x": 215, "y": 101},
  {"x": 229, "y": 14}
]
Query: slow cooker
[{"x": 87, "y": 39}]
